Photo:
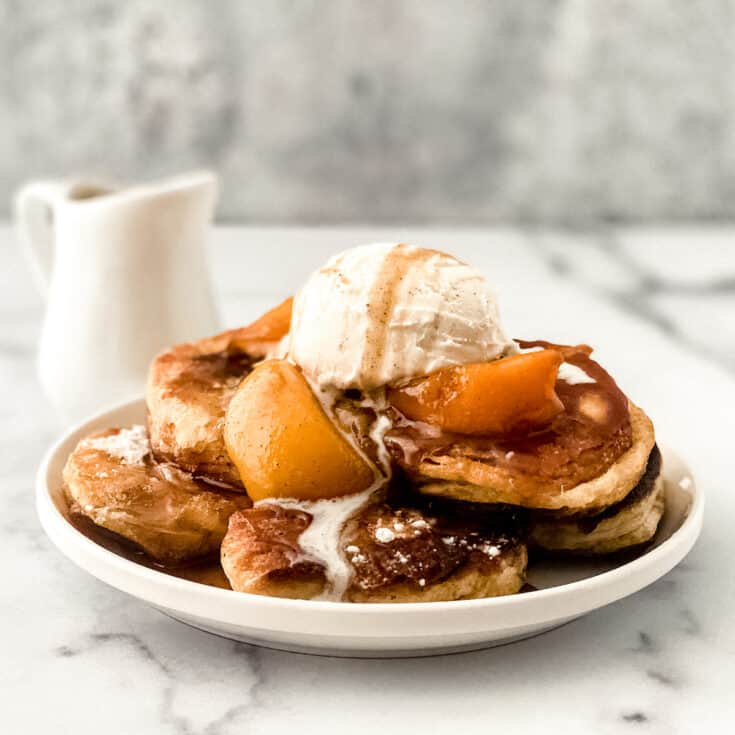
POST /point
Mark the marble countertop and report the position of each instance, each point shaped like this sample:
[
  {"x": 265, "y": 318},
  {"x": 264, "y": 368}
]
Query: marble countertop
[{"x": 659, "y": 306}]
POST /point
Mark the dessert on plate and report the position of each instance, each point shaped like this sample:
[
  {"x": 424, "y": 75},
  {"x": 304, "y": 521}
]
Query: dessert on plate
[{"x": 379, "y": 438}]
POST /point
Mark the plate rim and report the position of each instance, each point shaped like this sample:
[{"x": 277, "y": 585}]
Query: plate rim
[{"x": 623, "y": 580}]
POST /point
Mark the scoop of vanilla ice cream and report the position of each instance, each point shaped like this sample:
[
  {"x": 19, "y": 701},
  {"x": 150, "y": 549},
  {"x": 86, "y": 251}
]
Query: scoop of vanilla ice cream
[{"x": 378, "y": 314}]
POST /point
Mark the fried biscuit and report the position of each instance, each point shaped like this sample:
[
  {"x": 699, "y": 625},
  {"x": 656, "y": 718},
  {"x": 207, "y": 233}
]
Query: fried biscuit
[
  {"x": 394, "y": 554},
  {"x": 112, "y": 479},
  {"x": 476, "y": 481},
  {"x": 631, "y": 522},
  {"x": 590, "y": 455}
]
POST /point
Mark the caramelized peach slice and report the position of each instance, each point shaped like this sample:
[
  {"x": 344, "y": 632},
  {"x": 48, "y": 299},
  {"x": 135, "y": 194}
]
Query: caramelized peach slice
[
  {"x": 270, "y": 327},
  {"x": 284, "y": 444},
  {"x": 485, "y": 398}
]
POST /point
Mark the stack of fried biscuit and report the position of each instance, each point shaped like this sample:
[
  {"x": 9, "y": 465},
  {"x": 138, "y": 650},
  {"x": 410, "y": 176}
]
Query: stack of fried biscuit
[
  {"x": 591, "y": 480},
  {"x": 454, "y": 523}
]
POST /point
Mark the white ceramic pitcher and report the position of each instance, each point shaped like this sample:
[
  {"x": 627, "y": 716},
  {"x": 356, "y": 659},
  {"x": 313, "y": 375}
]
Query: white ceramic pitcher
[{"x": 124, "y": 273}]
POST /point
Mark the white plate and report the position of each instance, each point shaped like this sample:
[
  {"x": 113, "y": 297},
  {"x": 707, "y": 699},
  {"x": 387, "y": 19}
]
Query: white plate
[{"x": 566, "y": 589}]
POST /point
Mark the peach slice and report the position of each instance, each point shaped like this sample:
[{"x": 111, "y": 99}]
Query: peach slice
[
  {"x": 270, "y": 327},
  {"x": 284, "y": 444},
  {"x": 485, "y": 398}
]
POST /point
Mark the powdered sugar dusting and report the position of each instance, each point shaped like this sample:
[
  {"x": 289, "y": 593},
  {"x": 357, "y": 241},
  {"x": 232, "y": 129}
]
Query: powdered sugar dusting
[
  {"x": 384, "y": 534},
  {"x": 389, "y": 555},
  {"x": 130, "y": 446}
]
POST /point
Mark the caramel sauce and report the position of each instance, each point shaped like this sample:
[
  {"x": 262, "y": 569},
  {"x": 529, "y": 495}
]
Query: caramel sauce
[
  {"x": 424, "y": 555},
  {"x": 204, "y": 571},
  {"x": 382, "y": 301},
  {"x": 214, "y": 370},
  {"x": 429, "y": 539},
  {"x": 646, "y": 485}
]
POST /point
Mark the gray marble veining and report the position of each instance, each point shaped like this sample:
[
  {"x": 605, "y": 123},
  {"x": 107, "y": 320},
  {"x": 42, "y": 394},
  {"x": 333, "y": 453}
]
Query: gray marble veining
[
  {"x": 619, "y": 268},
  {"x": 80, "y": 657}
]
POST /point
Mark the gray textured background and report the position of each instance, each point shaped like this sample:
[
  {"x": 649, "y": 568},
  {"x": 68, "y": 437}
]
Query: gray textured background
[{"x": 411, "y": 110}]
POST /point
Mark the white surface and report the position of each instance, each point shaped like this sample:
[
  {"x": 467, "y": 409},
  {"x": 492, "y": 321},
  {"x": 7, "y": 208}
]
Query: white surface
[
  {"x": 564, "y": 590},
  {"x": 659, "y": 661}
]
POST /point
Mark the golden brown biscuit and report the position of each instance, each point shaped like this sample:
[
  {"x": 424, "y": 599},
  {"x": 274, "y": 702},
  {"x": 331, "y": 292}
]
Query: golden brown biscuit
[
  {"x": 431, "y": 557},
  {"x": 394, "y": 554},
  {"x": 477, "y": 481},
  {"x": 188, "y": 391},
  {"x": 588, "y": 456},
  {"x": 580, "y": 441},
  {"x": 631, "y": 522},
  {"x": 112, "y": 479},
  {"x": 260, "y": 554}
]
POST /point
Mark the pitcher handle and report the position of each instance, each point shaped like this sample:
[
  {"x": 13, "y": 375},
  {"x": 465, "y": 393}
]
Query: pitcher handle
[{"x": 34, "y": 220}]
